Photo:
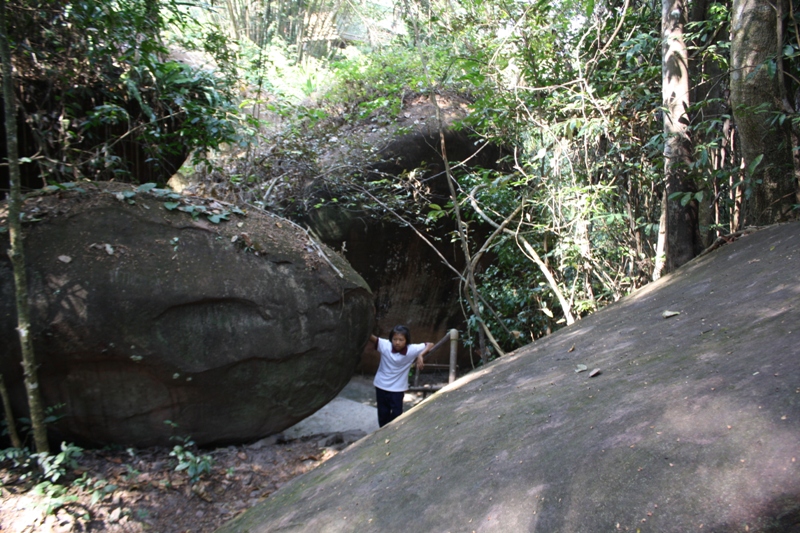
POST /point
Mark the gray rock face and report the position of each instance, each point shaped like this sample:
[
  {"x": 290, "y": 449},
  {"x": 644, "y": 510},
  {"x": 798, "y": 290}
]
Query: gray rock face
[
  {"x": 692, "y": 421},
  {"x": 231, "y": 331}
]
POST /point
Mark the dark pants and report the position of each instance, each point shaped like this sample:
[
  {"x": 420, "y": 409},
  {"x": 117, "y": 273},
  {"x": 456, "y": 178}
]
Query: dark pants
[{"x": 390, "y": 405}]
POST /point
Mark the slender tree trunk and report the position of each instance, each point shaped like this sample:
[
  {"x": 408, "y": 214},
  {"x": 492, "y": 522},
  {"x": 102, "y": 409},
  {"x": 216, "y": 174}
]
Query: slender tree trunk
[
  {"x": 16, "y": 252},
  {"x": 706, "y": 75},
  {"x": 9, "y": 414},
  {"x": 529, "y": 252},
  {"x": 471, "y": 293},
  {"x": 683, "y": 240},
  {"x": 661, "y": 245},
  {"x": 233, "y": 15},
  {"x": 758, "y": 99}
]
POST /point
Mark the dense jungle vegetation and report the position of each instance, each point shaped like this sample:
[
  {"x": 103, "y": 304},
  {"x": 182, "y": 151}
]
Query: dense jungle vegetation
[{"x": 634, "y": 133}]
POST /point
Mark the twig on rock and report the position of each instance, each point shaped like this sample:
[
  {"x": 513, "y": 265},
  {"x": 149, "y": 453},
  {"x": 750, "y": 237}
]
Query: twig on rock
[{"x": 725, "y": 239}]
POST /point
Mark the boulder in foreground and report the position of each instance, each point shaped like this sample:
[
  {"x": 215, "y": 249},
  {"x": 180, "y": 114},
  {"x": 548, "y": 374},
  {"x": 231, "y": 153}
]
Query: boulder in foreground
[
  {"x": 692, "y": 424},
  {"x": 148, "y": 307}
]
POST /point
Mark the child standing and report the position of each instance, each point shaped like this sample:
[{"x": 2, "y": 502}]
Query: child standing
[{"x": 391, "y": 381}]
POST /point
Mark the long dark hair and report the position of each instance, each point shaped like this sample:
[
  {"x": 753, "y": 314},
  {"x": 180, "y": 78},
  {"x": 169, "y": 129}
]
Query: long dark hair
[{"x": 402, "y": 330}]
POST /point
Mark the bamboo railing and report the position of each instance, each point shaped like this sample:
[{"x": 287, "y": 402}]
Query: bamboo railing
[{"x": 451, "y": 336}]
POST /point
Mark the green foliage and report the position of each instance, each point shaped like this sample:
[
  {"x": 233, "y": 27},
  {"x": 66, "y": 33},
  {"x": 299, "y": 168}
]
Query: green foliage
[
  {"x": 375, "y": 85},
  {"x": 53, "y": 474},
  {"x": 98, "y": 489},
  {"x": 101, "y": 99},
  {"x": 587, "y": 153},
  {"x": 570, "y": 89},
  {"x": 188, "y": 457},
  {"x": 53, "y": 497},
  {"x": 190, "y": 460},
  {"x": 20, "y": 458},
  {"x": 54, "y": 467}
]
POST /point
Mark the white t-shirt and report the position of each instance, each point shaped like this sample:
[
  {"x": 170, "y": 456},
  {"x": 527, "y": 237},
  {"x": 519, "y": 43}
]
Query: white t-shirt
[{"x": 392, "y": 373}]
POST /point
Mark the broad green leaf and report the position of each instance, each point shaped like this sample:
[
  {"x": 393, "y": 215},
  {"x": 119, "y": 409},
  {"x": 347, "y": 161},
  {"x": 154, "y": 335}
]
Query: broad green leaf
[
  {"x": 146, "y": 187},
  {"x": 589, "y": 9},
  {"x": 171, "y": 205},
  {"x": 751, "y": 168},
  {"x": 675, "y": 195}
]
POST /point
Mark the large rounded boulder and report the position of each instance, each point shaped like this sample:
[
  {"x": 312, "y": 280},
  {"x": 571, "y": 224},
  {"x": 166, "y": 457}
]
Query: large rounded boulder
[{"x": 156, "y": 315}]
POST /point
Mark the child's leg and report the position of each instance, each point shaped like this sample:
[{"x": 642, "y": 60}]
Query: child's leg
[
  {"x": 390, "y": 405},
  {"x": 395, "y": 405},
  {"x": 384, "y": 406}
]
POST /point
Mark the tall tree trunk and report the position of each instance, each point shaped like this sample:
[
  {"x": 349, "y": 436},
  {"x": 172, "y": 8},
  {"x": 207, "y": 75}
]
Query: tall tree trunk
[
  {"x": 757, "y": 99},
  {"x": 16, "y": 252},
  {"x": 683, "y": 240}
]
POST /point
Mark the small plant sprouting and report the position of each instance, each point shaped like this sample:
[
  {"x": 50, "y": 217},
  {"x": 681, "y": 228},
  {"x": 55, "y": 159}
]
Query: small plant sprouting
[
  {"x": 54, "y": 467},
  {"x": 97, "y": 488},
  {"x": 188, "y": 457},
  {"x": 53, "y": 496}
]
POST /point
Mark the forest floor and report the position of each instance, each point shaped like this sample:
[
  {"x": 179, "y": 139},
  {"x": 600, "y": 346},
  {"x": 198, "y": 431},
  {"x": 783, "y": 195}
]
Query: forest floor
[{"x": 139, "y": 490}]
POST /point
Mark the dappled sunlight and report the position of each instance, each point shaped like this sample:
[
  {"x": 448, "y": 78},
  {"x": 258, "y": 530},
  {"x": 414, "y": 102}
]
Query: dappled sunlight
[
  {"x": 736, "y": 458},
  {"x": 70, "y": 297}
]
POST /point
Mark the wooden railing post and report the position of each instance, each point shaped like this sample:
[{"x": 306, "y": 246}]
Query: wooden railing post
[{"x": 452, "y": 335}]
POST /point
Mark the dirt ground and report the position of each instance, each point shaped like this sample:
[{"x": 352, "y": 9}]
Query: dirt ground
[
  {"x": 140, "y": 490},
  {"x": 145, "y": 493}
]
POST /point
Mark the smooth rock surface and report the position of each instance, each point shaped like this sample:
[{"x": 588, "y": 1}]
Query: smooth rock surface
[
  {"x": 142, "y": 315},
  {"x": 691, "y": 424},
  {"x": 338, "y": 416}
]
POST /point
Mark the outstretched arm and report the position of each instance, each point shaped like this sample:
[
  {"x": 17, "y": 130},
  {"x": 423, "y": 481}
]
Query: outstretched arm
[{"x": 421, "y": 356}]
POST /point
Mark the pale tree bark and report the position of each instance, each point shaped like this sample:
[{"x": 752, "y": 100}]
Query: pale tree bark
[
  {"x": 16, "y": 252},
  {"x": 682, "y": 239},
  {"x": 758, "y": 98}
]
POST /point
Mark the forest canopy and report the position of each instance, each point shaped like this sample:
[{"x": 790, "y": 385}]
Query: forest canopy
[{"x": 634, "y": 134}]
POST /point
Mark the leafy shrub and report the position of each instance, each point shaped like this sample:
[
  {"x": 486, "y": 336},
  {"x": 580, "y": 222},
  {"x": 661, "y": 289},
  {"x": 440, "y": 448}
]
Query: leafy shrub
[{"x": 101, "y": 100}]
